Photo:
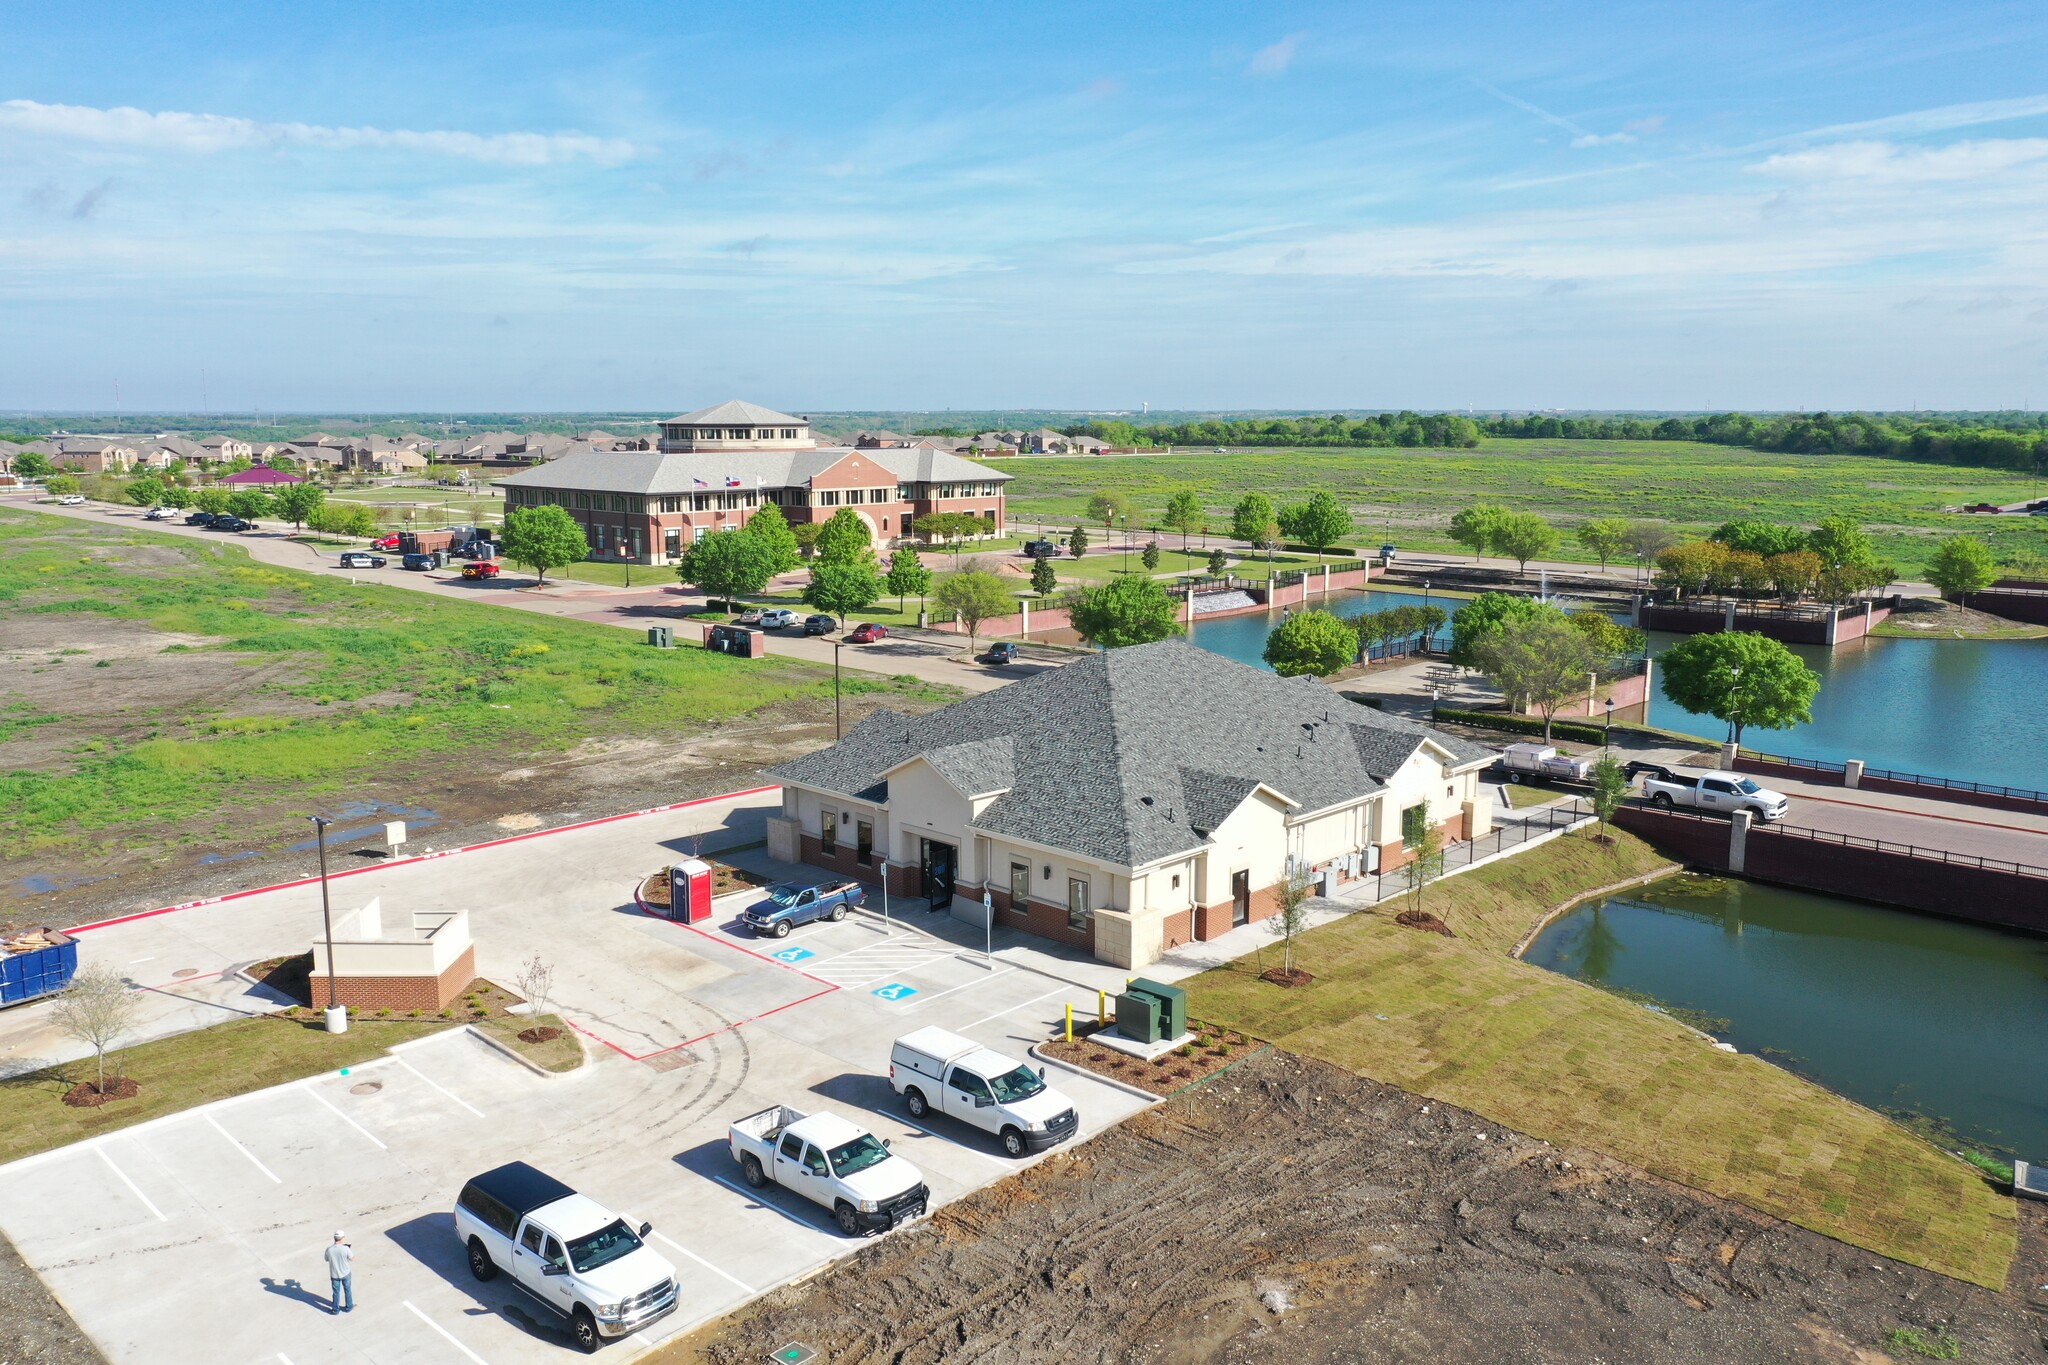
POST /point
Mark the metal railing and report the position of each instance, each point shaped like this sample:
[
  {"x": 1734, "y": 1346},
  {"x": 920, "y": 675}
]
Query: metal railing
[
  {"x": 1817, "y": 765},
  {"x": 1828, "y": 836},
  {"x": 1954, "y": 784},
  {"x": 1502, "y": 837}
]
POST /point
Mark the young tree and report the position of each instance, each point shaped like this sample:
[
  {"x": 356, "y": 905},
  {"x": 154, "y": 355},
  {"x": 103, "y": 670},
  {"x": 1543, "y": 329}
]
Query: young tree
[
  {"x": 908, "y": 577},
  {"x": 806, "y": 533},
  {"x": 1961, "y": 566},
  {"x": 1425, "y": 845},
  {"x": 1477, "y": 526},
  {"x": 725, "y": 564},
  {"x": 1149, "y": 556},
  {"x": 975, "y": 596},
  {"x": 1523, "y": 536},
  {"x": 61, "y": 485},
  {"x": 1218, "y": 563},
  {"x": 1320, "y": 522},
  {"x": 1485, "y": 613},
  {"x": 1609, "y": 636},
  {"x": 1311, "y": 642},
  {"x": 250, "y": 504},
  {"x": 1042, "y": 580},
  {"x": 1252, "y": 520},
  {"x": 1606, "y": 537},
  {"x": 535, "y": 982},
  {"x": 96, "y": 1009},
  {"x": 1127, "y": 610},
  {"x": 33, "y": 464},
  {"x": 1183, "y": 513},
  {"x": 1692, "y": 567},
  {"x": 1542, "y": 663},
  {"x": 1793, "y": 575},
  {"x": 544, "y": 538},
  {"x": 1108, "y": 507},
  {"x": 1741, "y": 678},
  {"x": 845, "y": 538},
  {"x": 1292, "y": 896},
  {"x": 343, "y": 519},
  {"x": 1842, "y": 544},
  {"x": 146, "y": 493},
  {"x": 844, "y": 586},
  {"x": 1648, "y": 539},
  {"x": 297, "y": 502},
  {"x": 1077, "y": 542},
  {"x": 175, "y": 496},
  {"x": 772, "y": 528},
  {"x": 214, "y": 500},
  {"x": 1610, "y": 789}
]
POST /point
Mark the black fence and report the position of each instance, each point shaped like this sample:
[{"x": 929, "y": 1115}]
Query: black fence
[
  {"x": 1918, "y": 852},
  {"x": 1947, "y": 784},
  {"x": 1498, "y": 840}
]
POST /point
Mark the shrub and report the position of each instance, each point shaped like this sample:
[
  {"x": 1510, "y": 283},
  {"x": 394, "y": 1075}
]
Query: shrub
[
  {"x": 412, "y": 1014},
  {"x": 1940, "y": 1346},
  {"x": 1519, "y": 725},
  {"x": 447, "y": 1014}
]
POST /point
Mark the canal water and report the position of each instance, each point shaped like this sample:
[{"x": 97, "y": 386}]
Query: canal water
[
  {"x": 1243, "y": 638},
  {"x": 1898, "y": 1011}
]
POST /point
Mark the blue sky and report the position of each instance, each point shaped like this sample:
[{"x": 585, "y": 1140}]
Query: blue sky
[{"x": 822, "y": 206}]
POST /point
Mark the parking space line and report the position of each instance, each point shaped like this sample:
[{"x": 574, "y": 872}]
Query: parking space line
[
  {"x": 985, "y": 1156},
  {"x": 443, "y": 1332},
  {"x": 754, "y": 1197},
  {"x": 1014, "y": 1008},
  {"x": 133, "y": 1188},
  {"x": 284, "y": 1359},
  {"x": 322, "y": 1100},
  {"x": 436, "y": 1085},
  {"x": 244, "y": 1151},
  {"x": 963, "y": 986},
  {"x": 746, "y": 1289}
]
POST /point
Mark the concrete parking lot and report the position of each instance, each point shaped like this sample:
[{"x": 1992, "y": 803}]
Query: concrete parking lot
[{"x": 198, "y": 1237}]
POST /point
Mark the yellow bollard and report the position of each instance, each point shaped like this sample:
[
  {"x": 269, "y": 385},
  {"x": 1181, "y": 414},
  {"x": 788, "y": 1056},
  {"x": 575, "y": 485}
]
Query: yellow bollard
[
  {"x": 1102, "y": 1008},
  {"x": 1070, "y": 1021}
]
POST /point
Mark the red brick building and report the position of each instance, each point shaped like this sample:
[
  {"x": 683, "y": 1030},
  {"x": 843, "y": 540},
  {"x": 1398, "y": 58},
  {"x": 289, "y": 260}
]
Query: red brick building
[{"x": 716, "y": 467}]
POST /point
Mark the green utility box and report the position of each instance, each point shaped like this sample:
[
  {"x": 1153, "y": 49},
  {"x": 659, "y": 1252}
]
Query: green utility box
[
  {"x": 1138, "y": 1016},
  {"x": 1173, "y": 1005},
  {"x": 661, "y": 637}
]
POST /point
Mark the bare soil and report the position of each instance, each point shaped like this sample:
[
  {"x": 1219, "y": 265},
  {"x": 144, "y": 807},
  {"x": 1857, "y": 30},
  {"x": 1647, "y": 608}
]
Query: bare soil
[
  {"x": 1288, "y": 1211},
  {"x": 89, "y": 1094},
  {"x": 34, "y": 1328},
  {"x": 1287, "y": 976},
  {"x": 1423, "y": 920},
  {"x": 539, "y": 1035}
]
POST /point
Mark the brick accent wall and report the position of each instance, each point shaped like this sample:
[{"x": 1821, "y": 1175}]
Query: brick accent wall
[
  {"x": 1042, "y": 919},
  {"x": 1213, "y": 921},
  {"x": 1396, "y": 855},
  {"x": 1177, "y": 929},
  {"x": 400, "y": 992}
]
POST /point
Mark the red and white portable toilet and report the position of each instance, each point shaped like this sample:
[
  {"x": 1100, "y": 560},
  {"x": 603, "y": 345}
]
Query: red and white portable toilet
[{"x": 689, "y": 891}]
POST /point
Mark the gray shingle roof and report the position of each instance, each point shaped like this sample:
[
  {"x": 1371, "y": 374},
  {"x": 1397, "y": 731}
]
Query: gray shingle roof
[
  {"x": 652, "y": 471},
  {"x": 739, "y": 412},
  {"x": 1134, "y": 754}
]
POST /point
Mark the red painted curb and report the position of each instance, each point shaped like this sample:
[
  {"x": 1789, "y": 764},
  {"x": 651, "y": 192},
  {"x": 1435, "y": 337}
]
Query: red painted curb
[{"x": 420, "y": 858}]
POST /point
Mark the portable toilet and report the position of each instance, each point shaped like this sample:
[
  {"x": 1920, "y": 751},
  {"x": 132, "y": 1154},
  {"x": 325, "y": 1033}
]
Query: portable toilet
[{"x": 689, "y": 891}]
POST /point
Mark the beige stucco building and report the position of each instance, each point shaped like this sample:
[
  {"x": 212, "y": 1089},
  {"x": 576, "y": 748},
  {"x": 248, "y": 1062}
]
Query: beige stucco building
[{"x": 1131, "y": 801}]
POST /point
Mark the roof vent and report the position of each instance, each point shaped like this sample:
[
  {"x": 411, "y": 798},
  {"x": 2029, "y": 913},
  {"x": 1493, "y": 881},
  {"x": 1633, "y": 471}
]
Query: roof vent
[{"x": 1144, "y": 800}]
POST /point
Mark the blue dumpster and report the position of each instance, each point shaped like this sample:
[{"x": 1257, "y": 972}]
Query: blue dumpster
[{"x": 34, "y": 963}]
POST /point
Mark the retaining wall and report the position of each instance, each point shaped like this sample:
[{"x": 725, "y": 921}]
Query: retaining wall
[{"x": 2016, "y": 604}]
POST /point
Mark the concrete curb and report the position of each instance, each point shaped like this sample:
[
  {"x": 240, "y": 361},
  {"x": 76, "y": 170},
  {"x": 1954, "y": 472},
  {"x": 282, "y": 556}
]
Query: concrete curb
[
  {"x": 536, "y": 1068},
  {"x": 1544, "y": 920},
  {"x": 1110, "y": 1081}
]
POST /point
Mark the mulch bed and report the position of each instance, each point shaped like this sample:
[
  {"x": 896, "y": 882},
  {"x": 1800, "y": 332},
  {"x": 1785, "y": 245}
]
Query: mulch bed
[
  {"x": 88, "y": 1095},
  {"x": 1283, "y": 976},
  {"x": 1423, "y": 920},
  {"x": 1212, "y": 1049},
  {"x": 543, "y": 1034},
  {"x": 292, "y": 977},
  {"x": 725, "y": 880}
]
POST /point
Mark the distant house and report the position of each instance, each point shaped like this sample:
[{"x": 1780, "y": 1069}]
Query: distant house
[
  {"x": 93, "y": 455},
  {"x": 878, "y": 440},
  {"x": 256, "y": 476},
  {"x": 225, "y": 448}
]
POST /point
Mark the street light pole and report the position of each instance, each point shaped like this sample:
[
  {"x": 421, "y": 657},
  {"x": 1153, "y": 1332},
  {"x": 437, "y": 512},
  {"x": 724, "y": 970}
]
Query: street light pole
[
  {"x": 320, "y": 823},
  {"x": 1609, "y": 726},
  {"x": 836, "y": 731}
]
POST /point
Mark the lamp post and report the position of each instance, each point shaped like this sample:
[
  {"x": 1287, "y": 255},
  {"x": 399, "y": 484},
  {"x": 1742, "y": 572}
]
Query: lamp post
[
  {"x": 626, "y": 558},
  {"x": 337, "y": 1017},
  {"x": 836, "y": 732},
  {"x": 1124, "y": 525},
  {"x": 1428, "y": 636},
  {"x": 882, "y": 867},
  {"x": 1734, "y": 710},
  {"x": 1609, "y": 726}
]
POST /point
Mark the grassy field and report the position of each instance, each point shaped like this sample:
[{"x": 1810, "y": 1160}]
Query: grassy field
[
  {"x": 1460, "y": 1020},
  {"x": 232, "y": 687},
  {"x": 185, "y": 1070},
  {"x": 1410, "y": 495}
]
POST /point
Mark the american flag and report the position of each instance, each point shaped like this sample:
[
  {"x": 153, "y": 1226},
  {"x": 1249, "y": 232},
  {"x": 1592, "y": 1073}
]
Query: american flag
[{"x": 700, "y": 483}]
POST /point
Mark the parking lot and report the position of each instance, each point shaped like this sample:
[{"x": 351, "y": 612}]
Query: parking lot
[{"x": 198, "y": 1237}]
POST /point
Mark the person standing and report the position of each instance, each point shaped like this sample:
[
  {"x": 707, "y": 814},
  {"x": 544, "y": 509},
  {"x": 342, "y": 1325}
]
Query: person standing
[{"x": 341, "y": 1262}]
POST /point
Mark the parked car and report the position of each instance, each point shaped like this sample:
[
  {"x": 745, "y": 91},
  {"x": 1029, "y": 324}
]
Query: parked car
[
  {"x": 199, "y": 518},
  {"x": 1541, "y": 763},
  {"x": 789, "y": 904},
  {"x": 1387, "y": 554},
  {"x": 1724, "y": 792},
  {"x": 389, "y": 542},
  {"x": 1042, "y": 549},
  {"x": 866, "y": 633},
  {"x": 72, "y": 500},
  {"x": 361, "y": 559},
  {"x": 571, "y": 1254},
  {"x": 831, "y": 1161},
  {"x": 778, "y": 618},
  {"x": 1001, "y": 652},
  {"x": 227, "y": 523},
  {"x": 157, "y": 514},
  {"x": 933, "y": 1068},
  {"x": 1983, "y": 507},
  {"x": 819, "y": 625},
  {"x": 2039, "y": 512},
  {"x": 750, "y": 617},
  {"x": 429, "y": 559},
  {"x": 482, "y": 568}
]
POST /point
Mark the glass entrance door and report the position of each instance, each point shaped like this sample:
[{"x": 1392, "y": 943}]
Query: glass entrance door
[{"x": 940, "y": 861}]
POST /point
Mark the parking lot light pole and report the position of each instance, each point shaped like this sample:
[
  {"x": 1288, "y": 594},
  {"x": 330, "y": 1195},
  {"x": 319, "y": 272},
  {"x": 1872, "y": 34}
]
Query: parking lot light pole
[
  {"x": 1605, "y": 729},
  {"x": 836, "y": 732},
  {"x": 882, "y": 866},
  {"x": 988, "y": 929},
  {"x": 320, "y": 823}
]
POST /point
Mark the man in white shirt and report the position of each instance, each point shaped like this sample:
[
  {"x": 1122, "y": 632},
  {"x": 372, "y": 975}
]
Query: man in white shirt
[{"x": 341, "y": 1261}]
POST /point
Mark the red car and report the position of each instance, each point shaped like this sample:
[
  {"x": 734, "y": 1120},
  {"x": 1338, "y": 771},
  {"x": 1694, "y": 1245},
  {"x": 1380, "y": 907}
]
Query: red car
[
  {"x": 866, "y": 633},
  {"x": 384, "y": 543},
  {"x": 483, "y": 568}
]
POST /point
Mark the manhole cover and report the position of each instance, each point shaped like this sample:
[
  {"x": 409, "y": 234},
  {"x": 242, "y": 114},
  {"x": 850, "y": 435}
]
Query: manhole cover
[
  {"x": 366, "y": 1087},
  {"x": 186, "y": 971},
  {"x": 796, "y": 1353}
]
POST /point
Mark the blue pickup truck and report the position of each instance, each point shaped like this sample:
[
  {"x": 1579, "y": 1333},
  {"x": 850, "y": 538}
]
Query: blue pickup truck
[{"x": 792, "y": 903}]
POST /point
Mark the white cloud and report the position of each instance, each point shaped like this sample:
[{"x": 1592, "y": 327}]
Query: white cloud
[
  {"x": 1601, "y": 139},
  {"x": 1944, "y": 117},
  {"x": 1274, "y": 60},
  {"x": 1889, "y": 163},
  {"x": 201, "y": 134}
]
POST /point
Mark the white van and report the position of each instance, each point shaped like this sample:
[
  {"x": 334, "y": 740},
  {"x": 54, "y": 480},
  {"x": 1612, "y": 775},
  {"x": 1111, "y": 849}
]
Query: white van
[{"x": 937, "y": 1069}]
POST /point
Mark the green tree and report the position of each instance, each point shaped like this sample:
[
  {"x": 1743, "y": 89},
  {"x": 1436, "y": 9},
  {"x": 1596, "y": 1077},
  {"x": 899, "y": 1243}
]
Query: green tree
[
  {"x": 297, "y": 502},
  {"x": 1290, "y": 916},
  {"x": 33, "y": 464},
  {"x": 1741, "y": 678},
  {"x": 1320, "y": 522},
  {"x": 1077, "y": 541},
  {"x": 1488, "y": 612},
  {"x": 1842, "y": 544},
  {"x": 908, "y": 577},
  {"x": 1604, "y": 537},
  {"x": 1253, "y": 520},
  {"x": 845, "y": 538},
  {"x": 769, "y": 526},
  {"x": 343, "y": 519},
  {"x": 1108, "y": 507},
  {"x": 806, "y": 533},
  {"x": 544, "y": 538},
  {"x": 1523, "y": 536},
  {"x": 1218, "y": 563},
  {"x": 1759, "y": 537},
  {"x": 175, "y": 496},
  {"x": 1127, "y": 610},
  {"x": 1043, "y": 582},
  {"x": 62, "y": 485},
  {"x": 1793, "y": 575},
  {"x": 214, "y": 500},
  {"x": 1541, "y": 663},
  {"x": 250, "y": 504},
  {"x": 1183, "y": 513},
  {"x": 146, "y": 493},
  {"x": 1311, "y": 642},
  {"x": 1477, "y": 526},
  {"x": 1424, "y": 843},
  {"x": 725, "y": 564},
  {"x": 974, "y": 596},
  {"x": 844, "y": 586},
  {"x": 1961, "y": 566},
  {"x": 1610, "y": 789},
  {"x": 1609, "y": 636},
  {"x": 1149, "y": 556}
]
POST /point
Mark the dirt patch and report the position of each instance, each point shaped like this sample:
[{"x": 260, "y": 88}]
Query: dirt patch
[
  {"x": 292, "y": 978},
  {"x": 90, "y": 1094},
  {"x": 38, "y": 1330},
  {"x": 1287, "y": 976},
  {"x": 725, "y": 880},
  {"x": 1289, "y": 1211},
  {"x": 539, "y": 1035},
  {"x": 1212, "y": 1050},
  {"x": 1423, "y": 920}
]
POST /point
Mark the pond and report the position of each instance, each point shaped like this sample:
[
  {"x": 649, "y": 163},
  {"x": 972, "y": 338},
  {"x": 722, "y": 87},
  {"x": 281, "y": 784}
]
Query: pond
[
  {"x": 1243, "y": 638},
  {"x": 1901, "y": 1012}
]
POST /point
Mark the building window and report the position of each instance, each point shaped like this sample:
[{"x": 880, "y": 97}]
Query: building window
[
  {"x": 1414, "y": 823},
  {"x": 1077, "y": 902},
  {"x": 1020, "y": 886},
  {"x": 828, "y": 833},
  {"x": 828, "y": 498},
  {"x": 1176, "y": 881},
  {"x": 672, "y": 542},
  {"x": 885, "y": 523},
  {"x": 863, "y": 842},
  {"x": 855, "y": 496}
]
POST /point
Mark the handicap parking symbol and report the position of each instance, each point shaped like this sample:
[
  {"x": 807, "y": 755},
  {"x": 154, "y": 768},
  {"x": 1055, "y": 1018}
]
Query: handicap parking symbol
[
  {"x": 895, "y": 990},
  {"x": 794, "y": 954}
]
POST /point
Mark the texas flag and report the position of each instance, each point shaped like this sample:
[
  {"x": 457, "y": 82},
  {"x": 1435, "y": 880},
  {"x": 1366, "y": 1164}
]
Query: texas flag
[{"x": 732, "y": 483}]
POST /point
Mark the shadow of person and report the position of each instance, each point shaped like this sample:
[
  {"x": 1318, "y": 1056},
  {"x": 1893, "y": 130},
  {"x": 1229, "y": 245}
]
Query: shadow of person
[{"x": 298, "y": 1293}]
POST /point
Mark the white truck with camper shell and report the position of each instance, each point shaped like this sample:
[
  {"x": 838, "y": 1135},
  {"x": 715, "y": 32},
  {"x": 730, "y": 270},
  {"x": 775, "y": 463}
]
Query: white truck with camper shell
[
  {"x": 937, "y": 1070},
  {"x": 1539, "y": 763},
  {"x": 1718, "y": 791},
  {"x": 831, "y": 1161},
  {"x": 571, "y": 1254}
]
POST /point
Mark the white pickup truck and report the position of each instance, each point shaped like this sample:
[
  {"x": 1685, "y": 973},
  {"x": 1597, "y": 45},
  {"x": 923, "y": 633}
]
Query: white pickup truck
[
  {"x": 937, "y": 1069},
  {"x": 1543, "y": 763},
  {"x": 1723, "y": 792},
  {"x": 570, "y": 1253},
  {"x": 832, "y": 1162}
]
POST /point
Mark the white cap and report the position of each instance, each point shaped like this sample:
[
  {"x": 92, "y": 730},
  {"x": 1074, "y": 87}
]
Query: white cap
[{"x": 338, "y": 1234}]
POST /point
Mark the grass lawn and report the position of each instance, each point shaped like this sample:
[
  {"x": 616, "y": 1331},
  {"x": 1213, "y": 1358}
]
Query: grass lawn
[
  {"x": 1570, "y": 1063},
  {"x": 182, "y": 1071},
  {"x": 560, "y": 1053},
  {"x": 1409, "y": 496}
]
